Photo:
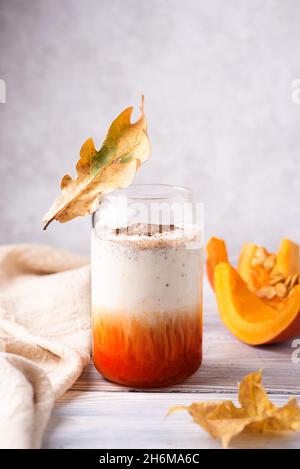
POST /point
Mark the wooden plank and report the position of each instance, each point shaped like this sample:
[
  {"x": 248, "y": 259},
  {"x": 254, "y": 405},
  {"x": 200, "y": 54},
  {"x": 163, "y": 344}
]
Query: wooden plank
[{"x": 137, "y": 420}]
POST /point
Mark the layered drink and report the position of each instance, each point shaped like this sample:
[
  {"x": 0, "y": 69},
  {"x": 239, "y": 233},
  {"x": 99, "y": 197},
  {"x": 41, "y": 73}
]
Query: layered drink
[{"x": 146, "y": 303}]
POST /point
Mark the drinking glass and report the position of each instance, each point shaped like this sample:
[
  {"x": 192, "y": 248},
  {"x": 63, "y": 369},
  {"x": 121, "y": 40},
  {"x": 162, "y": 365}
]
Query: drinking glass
[{"x": 147, "y": 243}]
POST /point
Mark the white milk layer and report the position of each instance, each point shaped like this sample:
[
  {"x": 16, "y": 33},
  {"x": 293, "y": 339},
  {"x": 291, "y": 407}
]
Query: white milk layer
[{"x": 134, "y": 280}]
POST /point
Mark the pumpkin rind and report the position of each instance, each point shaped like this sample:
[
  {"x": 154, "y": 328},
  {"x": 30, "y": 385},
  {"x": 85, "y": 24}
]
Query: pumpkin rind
[{"x": 216, "y": 253}]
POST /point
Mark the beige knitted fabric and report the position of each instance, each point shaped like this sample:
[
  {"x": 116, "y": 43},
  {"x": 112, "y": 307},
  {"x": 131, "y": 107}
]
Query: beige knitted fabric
[{"x": 44, "y": 336}]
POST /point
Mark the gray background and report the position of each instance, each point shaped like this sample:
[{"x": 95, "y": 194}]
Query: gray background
[{"x": 217, "y": 82}]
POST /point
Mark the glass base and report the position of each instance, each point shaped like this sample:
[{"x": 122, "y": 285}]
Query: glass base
[{"x": 158, "y": 382}]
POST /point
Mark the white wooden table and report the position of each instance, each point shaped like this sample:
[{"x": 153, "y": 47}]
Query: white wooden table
[{"x": 97, "y": 414}]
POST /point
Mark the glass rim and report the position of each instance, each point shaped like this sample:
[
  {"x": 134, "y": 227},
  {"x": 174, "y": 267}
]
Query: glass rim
[{"x": 167, "y": 191}]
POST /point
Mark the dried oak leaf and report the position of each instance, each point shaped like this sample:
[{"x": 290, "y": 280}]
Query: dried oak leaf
[
  {"x": 124, "y": 149},
  {"x": 257, "y": 413}
]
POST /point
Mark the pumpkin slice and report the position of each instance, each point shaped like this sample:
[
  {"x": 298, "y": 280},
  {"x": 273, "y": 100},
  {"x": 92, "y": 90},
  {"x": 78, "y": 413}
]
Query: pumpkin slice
[
  {"x": 216, "y": 253},
  {"x": 250, "y": 318},
  {"x": 259, "y": 303}
]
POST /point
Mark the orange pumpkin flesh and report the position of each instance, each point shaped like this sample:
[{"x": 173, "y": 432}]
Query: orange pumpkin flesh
[
  {"x": 288, "y": 258},
  {"x": 251, "y": 319}
]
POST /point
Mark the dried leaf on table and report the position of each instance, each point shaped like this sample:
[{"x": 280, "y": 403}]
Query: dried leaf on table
[{"x": 257, "y": 413}]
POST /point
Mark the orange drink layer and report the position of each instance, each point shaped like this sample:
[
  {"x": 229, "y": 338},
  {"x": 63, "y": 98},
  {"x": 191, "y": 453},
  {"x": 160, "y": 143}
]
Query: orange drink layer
[{"x": 148, "y": 349}]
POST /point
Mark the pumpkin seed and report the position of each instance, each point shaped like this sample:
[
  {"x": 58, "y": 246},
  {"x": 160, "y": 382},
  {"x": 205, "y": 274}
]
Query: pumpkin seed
[
  {"x": 281, "y": 290},
  {"x": 260, "y": 252},
  {"x": 288, "y": 280},
  {"x": 269, "y": 262},
  {"x": 276, "y": 280},
  {"x": 294, "y": 281},
  {"x": 266, "y": 292},
  {"x": 255, "y": 261}
]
